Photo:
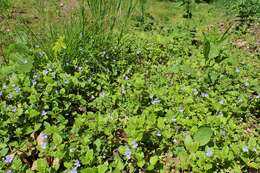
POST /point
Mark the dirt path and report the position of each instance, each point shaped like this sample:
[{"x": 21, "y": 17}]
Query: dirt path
[{"x": 67, "y": 6}]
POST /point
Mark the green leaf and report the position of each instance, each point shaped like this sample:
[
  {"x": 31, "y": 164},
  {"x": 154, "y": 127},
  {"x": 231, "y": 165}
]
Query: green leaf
[
  {"x": 57, "y": 139},
  {"x": 203, "y": 135},
  {"x": 87, "y": 159},
  {"x": 206, "y": 49},
  {"x": 42, "y": 165},
  {"x": 102, "y": 168}
]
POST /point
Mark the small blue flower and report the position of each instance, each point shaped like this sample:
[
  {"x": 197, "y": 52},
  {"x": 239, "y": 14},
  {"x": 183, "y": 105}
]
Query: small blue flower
[
  {"x": 158, "y": 133},
  {"x": 204, "y": 95},
  {"x": 209, "y": 153},
  {"x": 14, "y": 109},
  {"x": 126, "y": 78},
  {"x": 1, "y": 93},
  {"x": 222, "y": 101},
  {"x": 45, "y": 72},
  {"x": 9, "y": 171},
  {"x": 44, "y": 145},
  {"x": 195, "y": 91},
  {"x": 77, "y": 164},
  {"x": 35, "y": 76},
  {"x": 8, "y": 159},
  {"x": 43, "y": 113},
  {"x": 128, "y": 153},
  {"x": 245, "y": 149},
  {"x": 66, "y": 82},
  {"x": 17, "y": 89},
  {"x": 74, "y": 170},
  {"x": 134, "y": 144},
  {"x": 34, "y": 82},
  {"x": 10, "y": 96},
  {"x": 181, "y": 109},
  {"x": 80, "y": 69},
  {"x": 44, "y": 136},
  {"x": 246, "y": 84},
  {"x": 156, "y": 101}
]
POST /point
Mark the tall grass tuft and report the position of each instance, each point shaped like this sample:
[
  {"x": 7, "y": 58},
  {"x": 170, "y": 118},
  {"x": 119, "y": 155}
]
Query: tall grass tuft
[{"x": 108, "y": 16}]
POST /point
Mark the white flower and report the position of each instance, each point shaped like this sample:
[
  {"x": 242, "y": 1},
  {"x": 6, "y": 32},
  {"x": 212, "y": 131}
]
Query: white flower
[{"x": 237, "y": 70}]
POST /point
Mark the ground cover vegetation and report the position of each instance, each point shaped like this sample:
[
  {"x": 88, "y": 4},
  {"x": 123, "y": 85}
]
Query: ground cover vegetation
[{"x": 132, "y": 86}]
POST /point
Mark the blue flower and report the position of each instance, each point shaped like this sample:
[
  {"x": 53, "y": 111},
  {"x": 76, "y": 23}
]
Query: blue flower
[
  {"x": 17, "y": 89},
  {"x": 10, "y": 96},
  {"x": 43, "y": 113},
  {"x": 246, "y": 84},
  {"x": 156, "y": 101},
  {"x": 128, "y": 153},
  {"x": 158, "y": 133},
  {"x": 126, "y": 78},
  {"x": 222, "y": 101},
  {"x": 34, "y": 82},
  {"x": 1, "y": 93},
  {"x": 174, "y": 120},
  {"x": 66, "y": 82},
  {"x": 45, "y": 72},
  {"x": 134, "y": 144},
  {"x": 209, "y": 153},
  {"x": 74, "y": 170},
  {"x": 245, "y": 149},
  {"x": 181, "y": 109},
  {"x": 9, "y": 171},
  {"x": 44, "y": 145},
  {"x": 204, "y": 95},
  {"x": 44, "y": 136},
  {"x": 35, "y": 76},
  {"x": 8, "y": 159},
  {"x": 195, "y": 91},
  {"x": 14, "y": 109},
  {"x": 77, "y": 164}
]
